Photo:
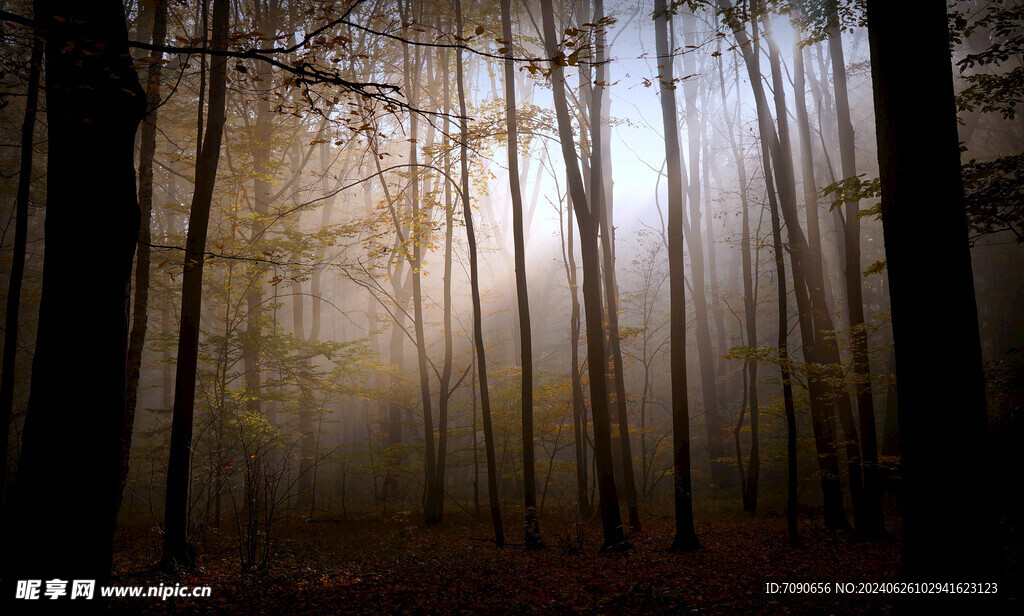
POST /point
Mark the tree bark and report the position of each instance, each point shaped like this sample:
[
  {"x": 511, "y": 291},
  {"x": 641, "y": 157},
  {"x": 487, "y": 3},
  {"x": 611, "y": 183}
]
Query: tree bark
[
  {"x": 578, "y": 406},
  {"x": 176, "y": 548},
  {"x": 17, "y": 274},
  {"x": 750, "y": 488},
  {"x": 686, "y": 537},
  {"x": 783, "y": 354},
  {"x": 950, "y": 529},
  {"x": 94, "y": 106},
  {"x": 474, "y": 281},
  {"x": 872, "y": 520},
  {"x": 601, "y": 198},
  {"x": 532, "y": 530},
  {"x": 140, "y": 309},
  {"x": 588, "y": 219},
  {"x": 814, "y": 317}
]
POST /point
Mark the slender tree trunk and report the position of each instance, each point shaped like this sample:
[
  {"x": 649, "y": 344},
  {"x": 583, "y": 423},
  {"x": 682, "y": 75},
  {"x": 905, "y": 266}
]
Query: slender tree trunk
[
  {"x": 714, "y": 288},
  {"x": 601, "y": 201},
  {"x": 783, "y": 355},
  {"x": 695, "y": 243},
  {"x": 433, "y": 503},
  {"x": 588, "y": 219},
  {"x": 809, "y": 183},
  {"x": 176, "y": 548},
  {"x": 814, "y": 317},
  {"x": 828, "y": 351},
  {"x": 474, "y": 276},
  {"x": 17, "y": 275},
  {"x": 140, "y": 310},
  {"x": 950, "y": 528},
  {"x": 686, "y": 536},
  {"x": 94, "y": 106},
  {"x": 750, "y": 489},
  {"x": 266, "y": 22},
  {"x": 449, "y": 235},
  {"x": 533, "y": 538},
  {"x": 872, "y": 519},
  {"x": 579, "y": 409}
]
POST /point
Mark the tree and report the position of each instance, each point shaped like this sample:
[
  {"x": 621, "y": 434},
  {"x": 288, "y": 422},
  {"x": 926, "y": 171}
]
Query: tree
[
  {"x": 871, "y": 522},
  {"x": 686, "y": 536},
  {"x": 588, "y": 217},
  {"x": 140, "y": 307},
  {"x": 695, "y": 243},
  {"x": 533, "y": 538},
  {"x": 94, "y": 101},
  {"x": 808, "y": 282},
  {"x": 17, "y": 275},
  {"x": 748, "y": 484},
  {"x": 474, "y": 276},
  {"x": 949, "y": 525},
  {"x": 176, "y": 549}
]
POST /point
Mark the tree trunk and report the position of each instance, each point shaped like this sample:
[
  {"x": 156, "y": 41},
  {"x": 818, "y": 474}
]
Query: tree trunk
[
  {"x": 695, "y": 244},
  {"x": 579, "y": 409},
  {"x": 686, "y": 536},
  {"x": 588, "y": 219},
  {"x": 140, "y": 310},
  {"x": 811, "y": 279},
  {"x": 533, "y": 538},
  {"x": 176, "y": 548},
  {"x": 266, "y": 22},
  {"x": 600, "y": 198},
  {"x": 750, "y": 488},
  {"x": 94, "y": 106},
  {"x": 950, "y": 529},
  {"x": 814, "y": 317},
  {"x": 433, "y": 502},
  {"x": 872, "y": 520},
  {"x": 474, "y": 279},
  {"x": 444, "y": 394},
  {"x": 17, "y": 274},
  {"x": 783, "y": 354}
]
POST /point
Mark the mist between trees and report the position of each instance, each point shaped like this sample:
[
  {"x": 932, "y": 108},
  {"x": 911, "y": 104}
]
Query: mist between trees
[{"x": 534, "y": 264}]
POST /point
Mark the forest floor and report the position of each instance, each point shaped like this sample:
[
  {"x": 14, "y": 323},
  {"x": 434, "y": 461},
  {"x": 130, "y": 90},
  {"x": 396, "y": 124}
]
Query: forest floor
[{"x": 394, "y": 566}]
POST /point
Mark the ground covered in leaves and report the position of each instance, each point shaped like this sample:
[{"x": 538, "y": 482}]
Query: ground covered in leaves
[{"x": 394, "y": 566}]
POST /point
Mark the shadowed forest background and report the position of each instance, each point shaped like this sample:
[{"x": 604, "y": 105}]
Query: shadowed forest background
[{"x": 468, "y": 306}]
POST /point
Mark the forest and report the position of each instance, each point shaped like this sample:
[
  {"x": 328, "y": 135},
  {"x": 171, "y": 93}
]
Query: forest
[{"x": 511, "y": 306}]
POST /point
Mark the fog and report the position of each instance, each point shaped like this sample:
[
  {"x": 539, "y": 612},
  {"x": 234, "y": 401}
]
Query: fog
[{"x": 337, "y": 376}]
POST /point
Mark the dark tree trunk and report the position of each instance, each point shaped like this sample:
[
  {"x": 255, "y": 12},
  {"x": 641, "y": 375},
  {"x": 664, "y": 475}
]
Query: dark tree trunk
[
  {"x": 533, "y": 538},
  {"x": 814, "y": 317},
  {"x": 17, "y": 274},
  {"x": 808, "y": 278},
  {"x": 949, "y": 522},
  {"x": 140, "y": 310},
  {"x": 94, "y": 106},
  {"x": 871, "y": 522},
  {"x": 433, "y": 501},
  {"x": 474, "y": 276},
  {"x": 686, "y": 536},
  {"x": 176, "y": 548},
  {"x": 579, "y": 410},
  {"x": 749, "y": 484},
  {"x": 601, "y": 199},
  {"x": 586, "y": 216},
  {"x": 783, "y": 353},
  {"x": 444, "y": 394},
  {"x": 266, "y": 22},
  {"x": 695, "y": 244}
]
